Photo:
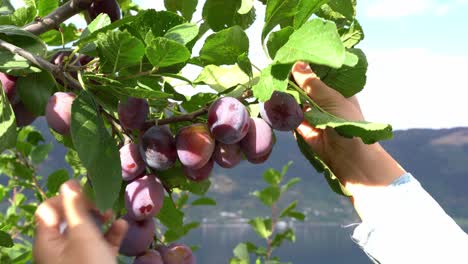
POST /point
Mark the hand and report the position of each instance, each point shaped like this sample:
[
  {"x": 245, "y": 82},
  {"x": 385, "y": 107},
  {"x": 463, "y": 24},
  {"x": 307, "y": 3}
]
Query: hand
[
  {"x": 82, "y": 242},
  {"x": 352, "y": 161}
]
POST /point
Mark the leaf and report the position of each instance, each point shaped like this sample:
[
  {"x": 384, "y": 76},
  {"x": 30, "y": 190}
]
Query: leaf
[
  {"x": 170, "y": 216},
  {"x": 102, "y": 20},
  {"x": 259, "y": 226},
  {"x": 368, "y": 132},
  {"x": 54, "y": 38},
  {"x": 241, "y": 252},
  {"x": 321, "y": 167},
  {"x": 204, "y": 201},
  {"x": 244, "y": 64},
  {"x": 269, "y": 195},
  {"x": 185, "y": 7},
  {"x": 277, "y": 12},
  {"x": 163, "y": 52},
  {"x": 56, "y": 179},
  {"x": 290, "y": 212},
  {"x": 246, "y": 6},
  {"x": 221, "y": 14},
  {"x": 290, "y": 184},
  {"x": 221, "y": 78},
  {"x": 305, "y": 10},
  {"x": 175, "y": 178},
  {"x": 353, "y": 35},
  {"x": 97, "y": 150},
  {"x": 7, "y": 123},
  {"x": 347, "y": 80},
  {"x": 44, "y": 7},
  {"x": 40, "y": 153},
  {"x": 159, "y": 22},
  {"x": 272, "y": 177},
  {"x": 337, "y": 9},
  {"x": 118, "y": 49},
  {"x": 5, "y": 240},
  {"x": 280, "y": 237},
  {"x": 317, "y": 42},
  {"x": 272, "y": 78},
  {"x": 183, "y": 33},
  {"x": 277, "y": 39},
  {"x": 35, "y": 89},
  {"x": 137, "y": 92},
  {"x": 225, "y": 46}
]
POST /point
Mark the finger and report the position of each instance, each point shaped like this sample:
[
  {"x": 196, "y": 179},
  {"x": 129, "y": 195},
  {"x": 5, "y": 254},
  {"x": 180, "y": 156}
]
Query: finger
[
  {"x": 116, "y": 234},
  {"x": 354, "y": 100},
  {"x": 49, "y": 216},
  {"x": 313, "y": 86},
  {"x": 310, "y": 134}
]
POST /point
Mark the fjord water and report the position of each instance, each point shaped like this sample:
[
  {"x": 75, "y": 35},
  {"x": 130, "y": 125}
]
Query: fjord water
[{"x": 314, "y": 244}]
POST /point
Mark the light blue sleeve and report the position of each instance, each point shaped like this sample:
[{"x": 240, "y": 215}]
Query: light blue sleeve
[{"x": 408, "y": 226}]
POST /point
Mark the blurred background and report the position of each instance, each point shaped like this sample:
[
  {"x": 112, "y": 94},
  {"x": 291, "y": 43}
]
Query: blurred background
[{"x": 418, "y": 59}]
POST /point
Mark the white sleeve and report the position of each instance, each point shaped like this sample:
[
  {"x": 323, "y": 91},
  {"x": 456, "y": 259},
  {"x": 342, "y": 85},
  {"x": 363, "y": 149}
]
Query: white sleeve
[{"x": 406, "y": 225}]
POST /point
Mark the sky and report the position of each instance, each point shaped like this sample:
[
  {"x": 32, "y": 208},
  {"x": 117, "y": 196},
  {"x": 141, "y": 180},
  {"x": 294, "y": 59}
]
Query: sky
[{"x": 418, "y": 60}]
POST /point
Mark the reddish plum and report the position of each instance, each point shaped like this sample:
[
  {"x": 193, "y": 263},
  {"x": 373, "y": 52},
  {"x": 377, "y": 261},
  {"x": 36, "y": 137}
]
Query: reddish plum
[
  {"x": 133, "y": 112},
  {"x": 144, "y": 197},
  {"x": 131, "y": 162},
  {"x": 195, "y": 145},
  {"x": 282, "y": 112},
  {"x": 158, "y": 148},
  {"x": 227, "y": 155},
  {"x": 259, "y": 140},
  {"x": 58, "y": 112}
]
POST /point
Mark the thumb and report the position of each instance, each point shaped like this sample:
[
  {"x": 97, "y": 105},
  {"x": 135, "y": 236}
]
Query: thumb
[{"x": 323, "y": 95}]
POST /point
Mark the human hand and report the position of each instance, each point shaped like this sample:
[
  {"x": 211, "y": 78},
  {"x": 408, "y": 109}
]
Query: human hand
[
  {"x": 82, "y": 242},
  {"x": 352, "y": 161}
]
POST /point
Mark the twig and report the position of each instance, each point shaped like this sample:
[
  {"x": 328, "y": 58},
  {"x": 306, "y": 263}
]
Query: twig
[
  {"x": 59, "y": 15},
  {"x": 42, "y": 63}
]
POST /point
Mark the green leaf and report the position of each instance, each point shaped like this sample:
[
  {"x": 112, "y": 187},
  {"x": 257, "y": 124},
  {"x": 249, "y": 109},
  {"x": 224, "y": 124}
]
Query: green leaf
[
  {"x": 352, "y": 35},
  {"x": 170, "y": 216},
  {"x": 75, "y": 163},
  {"x": 368, "y": 132},
  {"x": 244, "y": 64},
  {"x": 225, "y": 46},
  {"x": 159, "y": 22},
  {"x": 290, "y": 184},
  {"x": 35, "y": 90},
  {"x": 183, "y": 33},
  {"x": 204, "y": 201},
  {"x": 272, "y": 78},
  {"x": 272, "y": 177},
  {"x": 56, "y": 179},
  {"x": 277, "y": 39},
  {"x": 222, "y": 78},
  {"x": 102, "y": 20},
  {"x": 346, "y": 80},
  {"x": 279, "y": 238},
  {"x": 317, "y": 42},
  {"x": 54, "y": 38},
  {"x": 175, "y": 178},
  {"x": 321, "y": 167},
  {"x": 305, "y": 10},
  {"x": 127, "y": 20},
  {"x": 138, "y": 92},
  {"x": 40, "y": 153},
  {"x": 246, "y": 6},
  {"x": 290, "y": 212},
  {"x": 185, "y": 7},
  {"x": 260, "y": 227},
  {"x": 118, "y": 49},
  {"x": 44, "y": 7},
  {"x": 7, "y": 123},
  {"x": 338, "y": 9},
  {"x": 221, "y": 14},
  {"x": 23, "y": 16},
  {"x": 97, "y": 150},
  {"x": 269, "y": 195},
  {"x": 241, "y": 252},
  {"x": 163, "y": 52},
  {"x": 278, "y": 12},
  {"x": 5, "y": 240}
]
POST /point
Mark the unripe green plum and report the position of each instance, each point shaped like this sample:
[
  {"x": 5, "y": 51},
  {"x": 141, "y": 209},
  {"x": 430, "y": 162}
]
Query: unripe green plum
[
  {"x": 58, "y": 112},
  {"x": 195, "y": 145}
]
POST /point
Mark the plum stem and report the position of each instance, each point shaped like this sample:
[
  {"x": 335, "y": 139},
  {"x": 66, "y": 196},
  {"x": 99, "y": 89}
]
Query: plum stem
[{"x": 56, "y": 17}]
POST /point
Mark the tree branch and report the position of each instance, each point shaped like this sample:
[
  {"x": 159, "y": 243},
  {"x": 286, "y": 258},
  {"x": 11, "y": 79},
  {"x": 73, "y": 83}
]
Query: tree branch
[
  {"x": 59, "y": 15},
  {"x": 41, "y": 63}
]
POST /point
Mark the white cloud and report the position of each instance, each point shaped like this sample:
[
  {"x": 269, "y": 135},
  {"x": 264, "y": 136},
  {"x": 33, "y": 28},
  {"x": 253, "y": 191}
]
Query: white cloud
[
  {"x": 416, "y": 88},
  {"x": 404, "y": 8}
]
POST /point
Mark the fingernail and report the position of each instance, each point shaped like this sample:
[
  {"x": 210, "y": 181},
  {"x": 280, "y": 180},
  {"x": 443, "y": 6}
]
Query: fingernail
[
  {"x": 70, "y": 186},
  {"x": 304, "y": 66}
]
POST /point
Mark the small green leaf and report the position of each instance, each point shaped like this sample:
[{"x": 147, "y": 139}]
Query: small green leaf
[
  {"x": 7, "y": 123},
  {"x": 272, "y": 78},
  {"x": 317, "y": 42},
  {"x": 305, "y": 10},
  {"x": 241, "y": 252},
  {"x": 278, "y": 12},
  {"x": 222, "y": 78},
  {"x": 277, "y": 39},
  {"x": 338, "y": 9},
  {"x": 56, "y": 179},
  {"x": 159, "y": 22},
  {"x": 225, "y": 46},
  {"x": 97, "y": 150},
  {"x": 170, "y": 216},
  {"x": 35, "y": 90},
  {"x": 44, "y": 7},
  {"x": 352, "y": 35},
  {"x": 272, "y": 177},
  {"x": 183, "y": 33},
  {"x": 244, "y": 64},
  {"x": 40, "y": 153},
  {"x": 204, "y": 201},
  {"x": 290, "y": 184},
  {"x": 259, "y": 226},
  {"x": 163, "y": 52},
  {"x": 102, "y": 20},
  {"x": 5, "y": 240},
  {"x": 269, "y": 195},
  {"x": 185, "y": 7},
  {"x": 290, "y": 212},
  {"x": 279, "y": 238}
]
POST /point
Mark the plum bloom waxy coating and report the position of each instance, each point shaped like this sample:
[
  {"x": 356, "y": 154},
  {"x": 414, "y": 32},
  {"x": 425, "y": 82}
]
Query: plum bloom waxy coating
[
  {"x": 259, "y": 140},
  {"x": 131, "y": 162},
  {"x": 139, "y": 236},
  {"x": 228, "y": 120},
  {"x": 144, "y": 197},
  {"x": 195, "y": 145},
  {"x": 282, "y": 112},
  {"x": 158, "y": 148},
  {"x": 58, "y": 112}
]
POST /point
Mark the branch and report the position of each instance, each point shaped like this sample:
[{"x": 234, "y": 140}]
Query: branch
[
  {"x": 41, "y": 63},
  {"x": 59, "y": 15}
]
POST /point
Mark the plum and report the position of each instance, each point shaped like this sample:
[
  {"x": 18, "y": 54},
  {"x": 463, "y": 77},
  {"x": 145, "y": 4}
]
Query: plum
[
  {"x": 227, "y": 155},
  {"x": 58, "y": 112},
  {"x": 9, "y": 86},
  {"x": 259, "y": 160},
  {"x": 158, "y": 148},
  {"x": 259, "y": 140},
  {"x": 149, "y": 257},
  {"x": 139, "y": 236},
  {"x": 131, "y": 162},
  {"x": 228, "y": 120},
  {"x": 22, "y": 114},
  {"x": 195, "y": 145},
  {"x": 109, "y": 7},
  {"x": 282, "y": 112},
  {"x": 200, "y": 174},
  {"x": 59, "y": 59},
  {"x": 133, "y": 112},
  {"x": 177, "y": 254},
  {"x": 144, "y": 197}
]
